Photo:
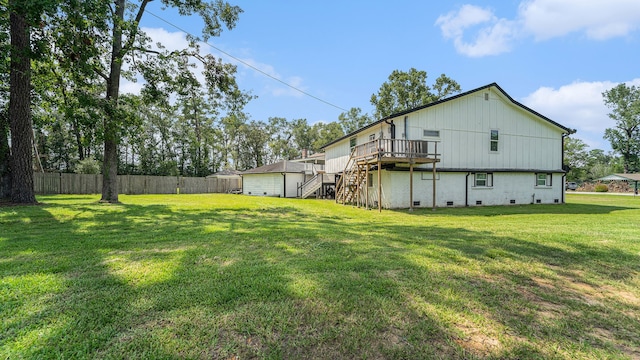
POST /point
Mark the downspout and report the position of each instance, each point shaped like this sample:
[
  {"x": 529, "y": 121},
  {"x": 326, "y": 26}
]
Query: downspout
[
  {"x": 405, "y": 128},
  {"x": 563, "y": 189},
  {"x": 393, "y": 133},
  {"x": 284, "y": 184},
  {"x": 466, "y": 190}
]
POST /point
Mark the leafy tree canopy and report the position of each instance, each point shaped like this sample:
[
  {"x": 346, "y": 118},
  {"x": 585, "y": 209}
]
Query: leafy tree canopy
[
  {"x": 624, "y": 103},
  {"x": 407, "y": 90}
]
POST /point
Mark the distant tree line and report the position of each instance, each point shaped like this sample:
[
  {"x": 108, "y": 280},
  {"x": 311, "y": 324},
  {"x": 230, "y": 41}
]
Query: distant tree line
[{"x": 61, "y": 106}]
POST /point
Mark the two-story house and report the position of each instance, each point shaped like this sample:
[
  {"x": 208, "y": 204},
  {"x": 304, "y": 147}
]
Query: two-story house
[{"x": 480, "y": 147}]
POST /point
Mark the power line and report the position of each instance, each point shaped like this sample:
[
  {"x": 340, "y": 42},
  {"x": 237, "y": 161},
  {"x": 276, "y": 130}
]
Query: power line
[{"x": 247, "y": 64}]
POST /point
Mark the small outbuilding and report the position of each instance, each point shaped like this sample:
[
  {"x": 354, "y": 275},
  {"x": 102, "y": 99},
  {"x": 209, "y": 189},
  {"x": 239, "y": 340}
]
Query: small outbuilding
[
  {"x": 226, "y": 181},
  {"x": 629, "y": 178},
  {"x": 281, "y": 179}
]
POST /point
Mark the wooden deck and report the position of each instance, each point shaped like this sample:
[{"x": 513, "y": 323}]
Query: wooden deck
[
  {"x": 351, "y": 186},
  {"x": 396, "y": 151}
]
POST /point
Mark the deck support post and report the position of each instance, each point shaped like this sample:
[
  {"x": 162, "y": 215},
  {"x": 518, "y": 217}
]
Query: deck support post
[
  {"x": 357, "y": 185},
  {"x": 366, "y": 189},
  {"x": 379, "y": 185},
  {"x": 411, "y": 186},
  {"x": 434, "y": 186}
]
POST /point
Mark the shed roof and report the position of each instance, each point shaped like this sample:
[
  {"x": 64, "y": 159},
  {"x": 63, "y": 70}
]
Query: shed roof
[
  {"x": 621, "y": 177},
  {"x": 226, "y": 173},
  {"x": 279, "y": 167},
  {"x": 567, "y": 130}
]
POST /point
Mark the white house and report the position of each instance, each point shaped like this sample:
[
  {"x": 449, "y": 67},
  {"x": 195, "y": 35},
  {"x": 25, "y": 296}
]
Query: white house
[
  {"x": 480, "y": 147},
  {"x": 281, "y": 179}
]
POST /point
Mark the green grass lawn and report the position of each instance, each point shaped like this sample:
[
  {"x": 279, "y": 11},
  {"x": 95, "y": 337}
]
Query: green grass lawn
[{"x": 236, "y": 277}]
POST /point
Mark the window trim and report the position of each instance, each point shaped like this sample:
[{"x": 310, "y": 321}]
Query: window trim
[
  {"x": 548, "y": 180},
  {"x": 432, "y": 133},
  {"x": 493, "y": 140},
  {"x": 488, "y": 180}
]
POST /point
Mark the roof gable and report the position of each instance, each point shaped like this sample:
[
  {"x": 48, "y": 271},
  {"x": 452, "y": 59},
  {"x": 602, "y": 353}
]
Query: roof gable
[{"x": 454, "y": 97}]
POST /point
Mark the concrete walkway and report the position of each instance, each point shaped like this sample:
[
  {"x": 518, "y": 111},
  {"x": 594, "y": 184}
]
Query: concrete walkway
[{"x": 599, "y": 193}]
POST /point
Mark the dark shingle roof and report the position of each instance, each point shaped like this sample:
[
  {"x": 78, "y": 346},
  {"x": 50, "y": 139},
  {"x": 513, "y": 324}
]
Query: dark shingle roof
[{"x": 279, "y": 167}]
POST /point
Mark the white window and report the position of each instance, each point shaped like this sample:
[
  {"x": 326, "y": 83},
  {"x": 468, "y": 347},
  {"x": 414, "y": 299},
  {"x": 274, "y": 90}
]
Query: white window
[
  {"x": 431, "y": 133},
  {"x": 483, "y": 179},
  {"x": 543, "y": 179},
  {"x": 493, "y": 144}
]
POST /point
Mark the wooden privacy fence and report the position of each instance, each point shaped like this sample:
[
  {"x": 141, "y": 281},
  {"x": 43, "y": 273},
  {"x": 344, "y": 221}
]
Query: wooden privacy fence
[{"x": 64, "y": 183}]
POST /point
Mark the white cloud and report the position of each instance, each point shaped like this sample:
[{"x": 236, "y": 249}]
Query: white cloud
[
  {"x": 542, "y": 19},
  {"x": 129, "y": 87},
  {"x": 599, "y": 20},
  {"x": 578, "y": 106},
  {"x": 170, "y": 40},
  {"x": 272, "y": 86},
  {"x": 494, "y": 35}
]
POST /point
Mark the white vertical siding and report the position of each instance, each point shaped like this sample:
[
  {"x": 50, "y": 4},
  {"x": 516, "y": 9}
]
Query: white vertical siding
[
  {"x": 525, "y": 141},
  {"x": 262, "y": 184},
  {"x": 336, "y": 157},
  {"x": 293, "y": 180}
]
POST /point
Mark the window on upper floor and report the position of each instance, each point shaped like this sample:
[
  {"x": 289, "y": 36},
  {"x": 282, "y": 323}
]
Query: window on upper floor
[
  {"x": 352, "y": 142},
  {"x": 430, "y": 133},
  {"x": 543, "y": 179},
  {"x": 483, "y": 180},
  {"x": 493, "y": 144}
]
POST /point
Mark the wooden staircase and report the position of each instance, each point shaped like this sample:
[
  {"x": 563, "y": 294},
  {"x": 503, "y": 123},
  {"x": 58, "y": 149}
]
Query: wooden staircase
[{"x": 350, "y": 187}]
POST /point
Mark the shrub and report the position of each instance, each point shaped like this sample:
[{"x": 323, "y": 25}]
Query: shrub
[
  {"x": 601, "y": 188},
  {"x": 88, "y": 166}
]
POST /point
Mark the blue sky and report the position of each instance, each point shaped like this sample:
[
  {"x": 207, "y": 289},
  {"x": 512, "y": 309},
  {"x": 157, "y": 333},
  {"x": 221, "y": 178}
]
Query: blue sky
[{"x": 556, "y": 57}]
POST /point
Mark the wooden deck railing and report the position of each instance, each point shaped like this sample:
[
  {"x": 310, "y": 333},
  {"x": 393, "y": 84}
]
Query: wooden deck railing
[{"x": 397, "y": 148}]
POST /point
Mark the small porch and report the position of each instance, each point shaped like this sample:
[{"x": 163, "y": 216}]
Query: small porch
[{"x": 351, "y": 187}]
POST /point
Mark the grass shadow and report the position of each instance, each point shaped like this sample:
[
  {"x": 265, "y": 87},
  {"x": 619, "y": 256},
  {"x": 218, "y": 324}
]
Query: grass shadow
[{"x": 293, "y": 280}]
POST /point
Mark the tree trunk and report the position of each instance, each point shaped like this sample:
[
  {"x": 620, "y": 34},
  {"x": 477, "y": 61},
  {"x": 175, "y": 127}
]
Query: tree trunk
[
  {"x": 110, "y": 163},
  {"x": 22, "y": 190},
  {"x": 5, "y": 174}
]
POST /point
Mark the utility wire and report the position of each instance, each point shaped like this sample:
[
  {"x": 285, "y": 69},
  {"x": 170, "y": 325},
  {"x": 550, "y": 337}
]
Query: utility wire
[{"x": 246, "y": 64}]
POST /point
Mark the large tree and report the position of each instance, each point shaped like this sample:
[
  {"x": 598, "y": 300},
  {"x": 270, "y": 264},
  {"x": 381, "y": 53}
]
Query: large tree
[
  {"x": 624, "y": 102},
  {"x": 575, "y": 157},
  {"x": 407, "y": 90},
  {"x": 20, "y": 121},
  {"x": 113, "y": 28},
  {"x": 325, "y": 133},
  {"x": 353, "y": 120}
]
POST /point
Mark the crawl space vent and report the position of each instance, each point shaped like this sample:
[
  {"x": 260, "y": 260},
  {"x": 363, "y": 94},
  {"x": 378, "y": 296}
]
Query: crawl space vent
[
  {"x": 556, "y": 201},
  {"x": 512, "y": 201},
  {"x": 416, "y": 203},
  {"x": 478, "y": 202},
  {"x": 538, "y": 201},
  {"x": 449, "y": 203}
]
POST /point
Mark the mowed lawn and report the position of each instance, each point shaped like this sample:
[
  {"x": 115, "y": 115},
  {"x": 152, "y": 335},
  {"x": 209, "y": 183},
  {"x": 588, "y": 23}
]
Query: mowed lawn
[{"x": 236, "y": 277}]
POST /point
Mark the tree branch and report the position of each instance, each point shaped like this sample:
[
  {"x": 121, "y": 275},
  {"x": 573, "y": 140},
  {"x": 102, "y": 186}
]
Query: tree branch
[{"x": 129, "y": 45}]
